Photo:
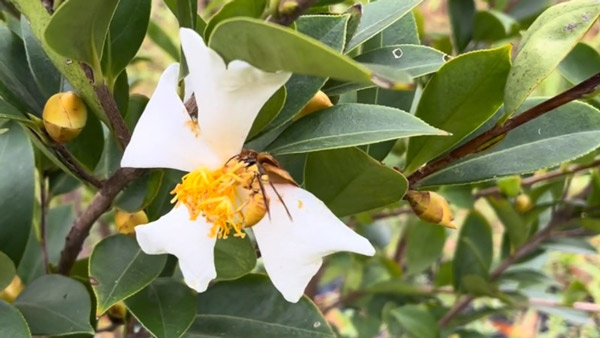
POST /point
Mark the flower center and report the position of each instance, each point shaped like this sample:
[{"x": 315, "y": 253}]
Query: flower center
[{"x": 215, "y": 195}]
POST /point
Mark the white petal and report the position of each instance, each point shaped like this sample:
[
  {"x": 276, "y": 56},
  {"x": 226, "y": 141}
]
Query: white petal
[
  {"x": 228, "y": 98},
  {"x": 164, "y": 136},
  {"x": 292, "y": 250},
  {"x": 188, "y": 240}
]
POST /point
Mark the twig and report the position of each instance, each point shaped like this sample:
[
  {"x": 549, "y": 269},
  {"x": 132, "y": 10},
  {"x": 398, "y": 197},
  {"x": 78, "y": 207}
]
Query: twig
[
  {"x": 101, "y": 203},
  {"x": 477, "y": 144},
  {"x": 117, "y": 122},
  {"x": 297, "y": 7},
  {"x": 67, "y": 159},
  {"x": 43, "y": 218},
  {"x": 581, "y": 306}
]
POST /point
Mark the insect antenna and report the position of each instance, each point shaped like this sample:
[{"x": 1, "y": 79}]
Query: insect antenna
[{"x": 281, "y": 200}]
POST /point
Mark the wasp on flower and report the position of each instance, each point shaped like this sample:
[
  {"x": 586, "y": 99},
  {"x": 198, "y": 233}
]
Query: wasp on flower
[{"x": 229, "y": 190}]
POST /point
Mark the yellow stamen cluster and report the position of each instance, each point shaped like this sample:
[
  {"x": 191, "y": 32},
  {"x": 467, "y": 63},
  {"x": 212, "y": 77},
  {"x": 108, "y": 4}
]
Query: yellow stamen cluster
[{"x": 215, "y": 195}]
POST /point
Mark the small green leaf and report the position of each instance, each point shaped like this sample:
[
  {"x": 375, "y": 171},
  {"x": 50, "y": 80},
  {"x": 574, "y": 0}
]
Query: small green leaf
[
  {"x": 462, "y": 16},
  {"x": 64, "y": 310},
  {"x": 141, "y": 192},
  {"x": 348, "y": 181},
  {"x": 119, "y": 269},
  {"x": 581, "y": 63},
  {"x": 166, "y": 308},
  {"x": 563, "y": 134},
  {"x": 126, "y": 33},
  {"x": 12, "y": 322},
  {"x": 462, "y": 95},
  {"x": 417, "y": 322},
  {"x": 425, "y": 244},
  {"x": 17, "y": 177},
  {"x": 268, "y": 112},
  {"x": 78, "y": 29},
  {"x": 492, "y": 25},
  {"x": 377, "y": 16},
  {"x": 237, "y": 8},
  {"x": 347, "y": 125},
  {"x": 252, "y": 305},
  {"x": 234, "y": 257},
  {"x": 514, "y": 224},
  {"x": 274, "y": 48},
  {"x": 474, "y": 249},
  {"x": 7, "y": 270},
  {"x": 547, "y": 41}
]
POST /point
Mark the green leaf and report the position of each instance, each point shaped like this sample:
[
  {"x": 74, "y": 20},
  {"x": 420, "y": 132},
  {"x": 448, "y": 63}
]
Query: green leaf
[
  {"x": 377, "y": 16},
  {"x": 563, "y": 134},
  {"x": 274, "y": 48},
  {"x": 268, "y": 112},
  {"x": 348, "y": 181},
  {"x": 12, "y": 322},
  {"x": 571, "y": 245},
  {"x": 234, "y": 257},
  {"x": 119, "y": 269},
  {"x": 87, "y": 147},
  {"x": 462, "y": 16},
  {"x": 78, "y": 29},
  {"x": 17, "y": 177},
  {"x": 126, "y": 33},
  {"x": 514, "y": 225},
  {"x": 162, "y": 202},
  {"x": 237, "y": 8},
  {"x": 347, "y": 125},
  {"x": 166, "y": 308},
  {"x": 47, "y": 77},
  {"x": 581, "y": 63},
  {"x": 547, "y": 41},
  {"x": 425, "y": 244},
  {"x": 401, "y": 32},
  {"x": 162, "y": 40},
  {"x": 492, "y": 25},
  {"x": 413, "y": 60},
  {"x": 64, "y": 310},
  {"x": 462, "y": 95},
  {"x": 17, "y": 85},
  {"x": 7, "y": 271},
  {"x": 416, "y": 321},
  {"x": 528, "y": 10},
  {"x": 252, "y": 305},
  {"x": 141, "y": 192},
  {"x": 474, "y": 249}
]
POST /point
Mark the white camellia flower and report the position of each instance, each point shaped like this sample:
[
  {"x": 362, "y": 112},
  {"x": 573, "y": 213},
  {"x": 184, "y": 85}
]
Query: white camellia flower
[{"x": 219, "y": 188}]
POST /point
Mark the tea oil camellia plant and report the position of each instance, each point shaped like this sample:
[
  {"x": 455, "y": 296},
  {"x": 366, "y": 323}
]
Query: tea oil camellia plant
[{"x": 299, "y": 168}]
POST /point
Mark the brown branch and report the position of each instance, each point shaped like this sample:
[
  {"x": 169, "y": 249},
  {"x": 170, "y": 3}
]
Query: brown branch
[
  {"x": 67, "y": 159},
  {"x": 100, "y": 204},
  {"x": 478, "y": 143},
  {"x": 117, "y": 122},
  {"x": 290, "y": 10},
  {"x": 43, "y": 219}
]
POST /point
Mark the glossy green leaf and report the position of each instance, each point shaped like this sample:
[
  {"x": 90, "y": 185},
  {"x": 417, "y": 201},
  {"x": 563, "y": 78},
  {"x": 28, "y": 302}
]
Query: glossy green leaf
[
  {"x": 12, "y": 322},
  {"x": 462, "y": 16},
  {"x": 17, "y": 85},
  {"x": 268, "y": 112},
  {"x": 377, "y": 16},
  {"x": 7, "y": 270},
  {"x": 252, "y": 306},
  {"x": 47, "y": 77},
  {"x": 275, "y": 48},
  {"x": 547, "y": 41},
  {"x": 17, "y": 177},
  {"x": 162, "y": 202},
  {"x": 474, "y": 249},
  {"x": 87, "y": 147},
  {"x": 425, "y": 244},
  {"x": 119, "y": 269},
  {"x": 401, "y": 32},
  {"x": 417, "y": 322},
  {"x": 64, "y": 310},
  {"x": 563, "y": 134},
  {"x": 162, "y": 40},
  {"x": 141, "y": 192},
  {"x": 347, "y": 125},
  {"x": 462, "y": 95},
  {"x": 126, "y": 33},
  {"x": 348, "y": 181},
  {"x": 413, "y": 60},
  {"x": 78, "y": 29},
  {"x": 492, "y": 25},
  {"x": 582, "y": 63},
  {"x": 237, "y": 8},
  {"x": 166, "y": 308},
  {"x": 234, "y": 257}
]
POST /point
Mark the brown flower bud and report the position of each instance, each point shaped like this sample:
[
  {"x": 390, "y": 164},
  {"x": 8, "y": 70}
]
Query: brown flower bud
[{"x": 431, "y": 207}]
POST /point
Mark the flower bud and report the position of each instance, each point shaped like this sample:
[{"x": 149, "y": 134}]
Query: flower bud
[
  {"x": 431, "y": 207},
  {"x": 117, "y": 311},
  {"x": 11, "y": 292},
  {"x": 64, "y": 116},
  {"x": 523, "y": 203},
  {"x": 126, "y": 222},
  {"x": 318, "y": 102}
]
